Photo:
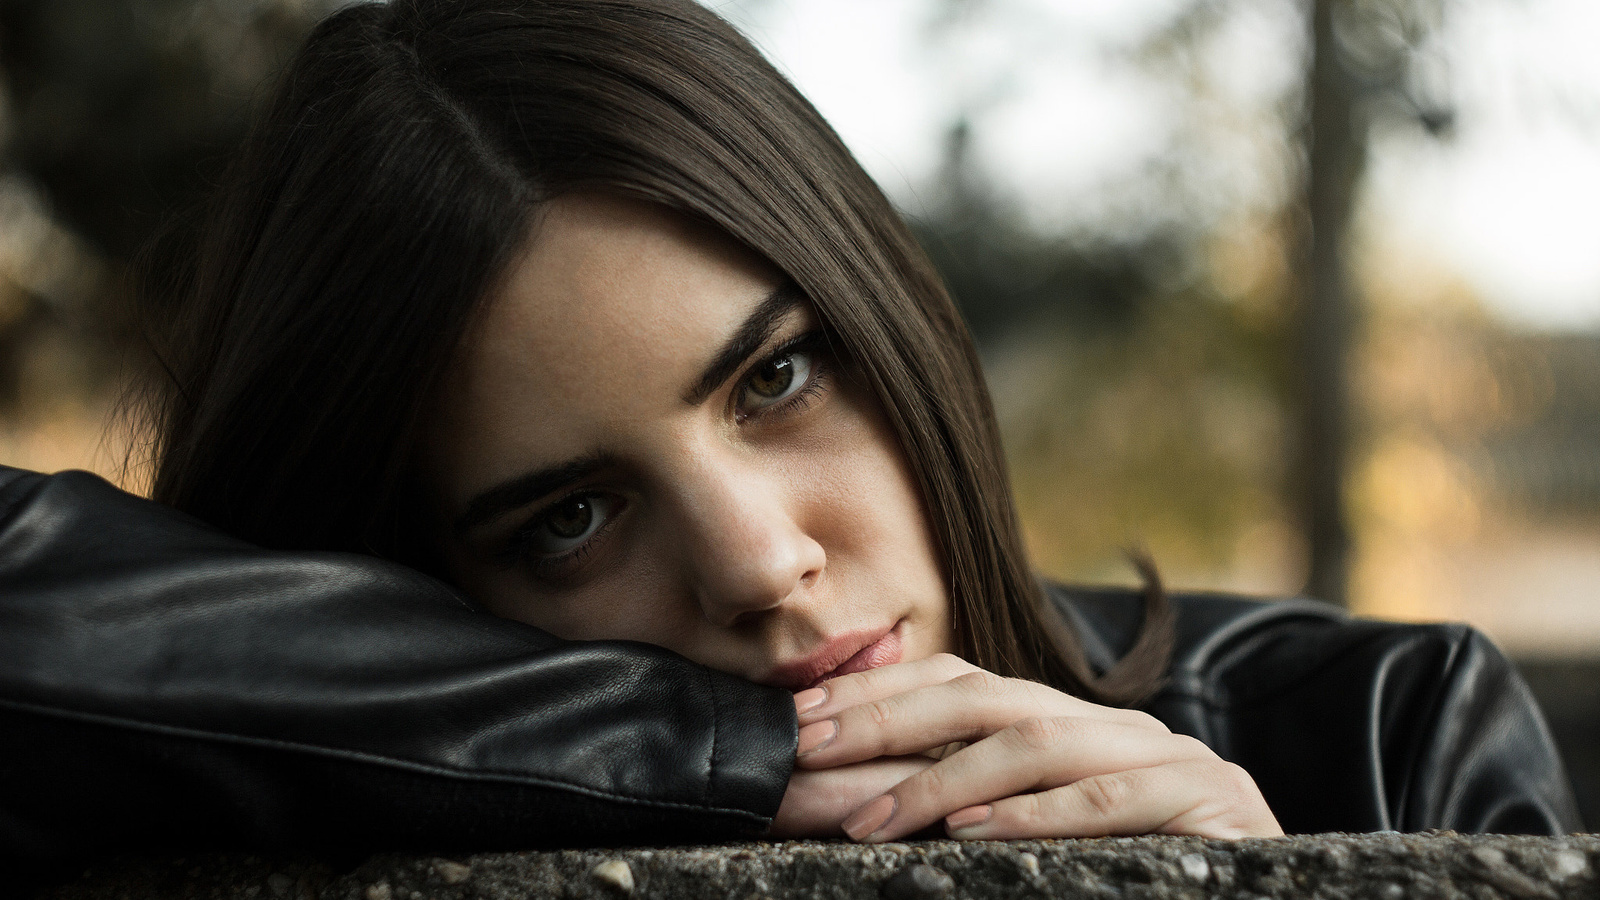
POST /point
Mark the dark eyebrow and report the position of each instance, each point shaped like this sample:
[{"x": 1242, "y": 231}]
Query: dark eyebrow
[
  {"x": 755, "y": 331},
  {"x": 524, "y": 489}
]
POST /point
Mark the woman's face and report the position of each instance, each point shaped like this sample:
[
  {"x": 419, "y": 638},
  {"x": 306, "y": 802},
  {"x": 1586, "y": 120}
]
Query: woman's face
[{"x": 647, "y": 439}]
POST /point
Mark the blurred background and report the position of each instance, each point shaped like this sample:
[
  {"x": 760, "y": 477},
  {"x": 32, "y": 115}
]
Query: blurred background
[{"x": 1301, "y": 295}]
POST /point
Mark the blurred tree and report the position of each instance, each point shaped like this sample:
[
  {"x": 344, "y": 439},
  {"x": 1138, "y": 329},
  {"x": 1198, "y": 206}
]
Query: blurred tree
[
  {"x": 121, "y": 109},
  {"x": 1365, "y": 62},
  {"x": 1007, "y": 276},
  {"x": 1335, "y": 141},
  {"x": 1369, "y": 58},
  {"x": 114, "y": 113},
  {"x": 1138, "y": 405}
]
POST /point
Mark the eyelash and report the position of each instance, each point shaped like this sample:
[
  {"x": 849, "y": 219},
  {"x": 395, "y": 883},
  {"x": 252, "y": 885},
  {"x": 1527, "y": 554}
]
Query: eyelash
[
  {"x": 559, "y": 566},
  {"x": 554, "y": 567},
  {"x": 814, "y": 344}
]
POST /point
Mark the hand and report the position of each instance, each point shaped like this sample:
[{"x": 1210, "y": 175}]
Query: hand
[
  {"x": 817, "y": 801},
  {"x": 1039, "y": 763}
]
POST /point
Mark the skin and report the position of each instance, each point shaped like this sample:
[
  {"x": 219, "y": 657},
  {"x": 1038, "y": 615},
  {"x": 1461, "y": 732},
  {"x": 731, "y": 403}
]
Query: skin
[
  {"x": 1032, "y": 762},
  {"x": 762, "y": 522}
]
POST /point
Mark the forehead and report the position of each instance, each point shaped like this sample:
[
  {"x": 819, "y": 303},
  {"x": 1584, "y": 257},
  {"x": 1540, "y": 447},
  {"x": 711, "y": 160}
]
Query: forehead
[{"x": 600, "y": 324}]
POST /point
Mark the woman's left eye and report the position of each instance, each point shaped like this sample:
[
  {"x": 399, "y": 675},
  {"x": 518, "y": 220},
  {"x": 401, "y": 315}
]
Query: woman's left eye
[
  {"x": 567, "y": 525},
  {"x": 555, "y": 544},
  {"x": 777, "y": 379}
]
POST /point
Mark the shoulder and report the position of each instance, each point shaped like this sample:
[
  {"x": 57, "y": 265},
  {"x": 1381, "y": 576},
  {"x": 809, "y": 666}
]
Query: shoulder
[
  {"x": 1228, "y": 641},
  {"x": 1348, "y": 724}
]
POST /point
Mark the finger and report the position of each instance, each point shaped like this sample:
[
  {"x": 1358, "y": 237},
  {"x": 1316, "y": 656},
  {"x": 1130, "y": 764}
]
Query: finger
[
  {"x": 1031, "y": 755},
  {"x": 873, "y": 684},
  {"x": 1209, "y": 798},
  {"x": 967, "y": 708},
  {"x": 816, "y": 803},
  {"x": 944, "y": 751}
]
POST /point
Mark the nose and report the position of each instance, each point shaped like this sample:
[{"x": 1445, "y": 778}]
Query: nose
[{"x": 745, "y": 541}]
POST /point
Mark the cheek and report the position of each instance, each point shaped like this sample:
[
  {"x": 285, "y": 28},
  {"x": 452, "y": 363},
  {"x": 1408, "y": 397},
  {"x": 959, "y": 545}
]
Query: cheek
[
  {"x": 883, "y": 545},
  {"x": 868, "y": 509}
]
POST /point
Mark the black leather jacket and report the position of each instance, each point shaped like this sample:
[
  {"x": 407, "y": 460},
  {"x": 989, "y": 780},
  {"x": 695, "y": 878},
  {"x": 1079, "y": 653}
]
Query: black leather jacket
[
  {"x": 165, "y": 685},
  {"x": 1351, "y": 724}
]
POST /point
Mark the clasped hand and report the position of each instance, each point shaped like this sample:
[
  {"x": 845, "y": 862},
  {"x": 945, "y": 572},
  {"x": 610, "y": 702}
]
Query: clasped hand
[{"x": 888, "y": 752}]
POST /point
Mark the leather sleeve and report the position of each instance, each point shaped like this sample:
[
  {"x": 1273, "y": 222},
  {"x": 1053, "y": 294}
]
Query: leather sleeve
[
  {"x": 1354, "y": 725},
  {"x": 163, "y": 685},
  {"x": 1486, "y": 762}
]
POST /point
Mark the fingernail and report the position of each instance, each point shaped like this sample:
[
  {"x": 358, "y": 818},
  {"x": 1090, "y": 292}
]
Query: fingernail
[
  {"x": 870, "y": 819},
  {"x": 815, "y": 736},
  {"x": 809, "y": 699},
  {"x": 970, "y": 817}
]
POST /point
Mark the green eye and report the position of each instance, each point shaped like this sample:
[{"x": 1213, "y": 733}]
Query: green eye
[
  {"x": 569, "y": 523},
  {"x": 776, "y": 380},
  {"x": 773, "y": 378},
  {"x": 571, "y": 519}
]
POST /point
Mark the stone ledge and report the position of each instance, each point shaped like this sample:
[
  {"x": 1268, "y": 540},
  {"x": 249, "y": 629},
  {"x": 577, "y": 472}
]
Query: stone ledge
[{"x": 1333, "y": 866}]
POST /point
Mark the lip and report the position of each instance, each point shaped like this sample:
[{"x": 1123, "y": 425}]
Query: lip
[{"x": 856, "y": 651}]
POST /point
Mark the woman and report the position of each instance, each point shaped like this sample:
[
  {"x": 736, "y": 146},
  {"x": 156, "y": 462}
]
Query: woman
[
  {"x": 580, "y": 307},
  {"x": 745, "y": 475},
  {"x": 467, "y": 210}
]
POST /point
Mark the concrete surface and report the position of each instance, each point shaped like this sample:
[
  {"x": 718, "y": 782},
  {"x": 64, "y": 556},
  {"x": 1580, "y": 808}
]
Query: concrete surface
[{"x": 1370, "y": 867}]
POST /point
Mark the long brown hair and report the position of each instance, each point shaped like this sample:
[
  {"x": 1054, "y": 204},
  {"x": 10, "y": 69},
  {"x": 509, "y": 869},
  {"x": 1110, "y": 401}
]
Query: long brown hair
[{"x": 396, "y": 171}]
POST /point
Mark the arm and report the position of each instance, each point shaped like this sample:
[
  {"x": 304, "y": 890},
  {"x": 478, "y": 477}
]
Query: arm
[
  {"x": 1356, "y": 725},
  {"x": 1484, "y": 760},
  {"x": 164, "y": 685}
]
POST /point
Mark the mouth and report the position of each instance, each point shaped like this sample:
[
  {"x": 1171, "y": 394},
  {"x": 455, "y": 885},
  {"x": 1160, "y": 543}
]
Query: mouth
[{"x": 857, "y": 651}]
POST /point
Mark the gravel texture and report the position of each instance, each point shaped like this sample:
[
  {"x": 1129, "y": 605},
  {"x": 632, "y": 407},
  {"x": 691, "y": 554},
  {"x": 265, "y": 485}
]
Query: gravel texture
[{"x": 1365, "y": 866}]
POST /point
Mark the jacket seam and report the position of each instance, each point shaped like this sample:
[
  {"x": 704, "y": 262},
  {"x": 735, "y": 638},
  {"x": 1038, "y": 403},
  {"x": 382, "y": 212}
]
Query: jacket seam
[
  {"x": 359, "y": 756},
  {"x": 716, "y": 732},
  {"x": 12, "y": 497},
  {"x": 1414, "y": 752},
  {"x": 1206, "y": 654},
  {"x": 1211, "y": 676}
]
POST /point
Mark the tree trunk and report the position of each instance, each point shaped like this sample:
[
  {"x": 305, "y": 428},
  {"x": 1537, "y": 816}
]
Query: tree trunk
[{"x": 1324, "y": 322}]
